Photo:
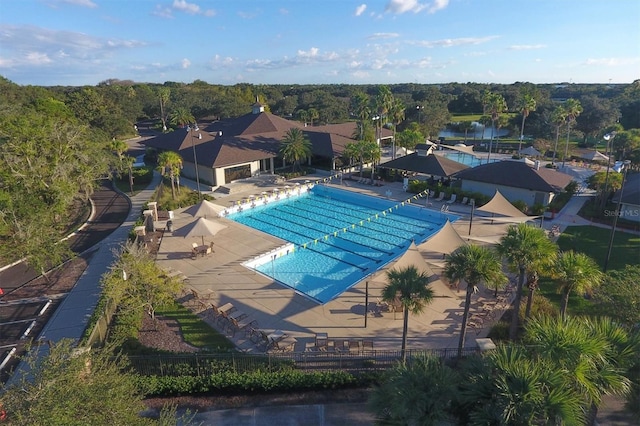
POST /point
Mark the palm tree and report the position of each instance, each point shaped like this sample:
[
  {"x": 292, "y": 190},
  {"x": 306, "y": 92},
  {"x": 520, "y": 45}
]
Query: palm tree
[
  {"x": 170, "y": 164},
  {"x": 558, "y": 118},
  {"x": 474, "y": 265},
  {"x": 295, "y": 146},
  {"x": 119, "y": 147},
  {"x": 575, "y": 272},
  {"x": 164, "y": 93},
  {"x": 573, "y": 109},
  {"x": 412, "y": 289},
  {"x": 526, "y": 103},
  {"x": 313, "y": 115},
  {"x": 383, "y": 103},
  {"x": 415, "y": 393},
  {"x": 304, "y": 116},
  {"x": 465, "y": 126},
  {"x": 495, "y": 105},
  {"x": 525, "y": 248},
  {"x": 396, "y": 114},
  {"x": 181, "y": 116},
  {"x": 360, "y": 107},
  {"x": 591, "y": 354},
  {"x": 485, "y": 120}
]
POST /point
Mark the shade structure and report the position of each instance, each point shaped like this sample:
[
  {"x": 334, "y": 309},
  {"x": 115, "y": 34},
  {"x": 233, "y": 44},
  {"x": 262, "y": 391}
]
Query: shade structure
[
  {"x": 460, "y": 147},
  {"x": 411, "y": 257},
  {"x": 445, "y": 241},
  {"x": 435, "y": 165},
  {"x": 200, "y": 228},
  {"x": 530, "y": 151},
  {"x": 205, "y": 209},
  {"x": 500, "y": 205},
  {"x": 594, "y": 156}
]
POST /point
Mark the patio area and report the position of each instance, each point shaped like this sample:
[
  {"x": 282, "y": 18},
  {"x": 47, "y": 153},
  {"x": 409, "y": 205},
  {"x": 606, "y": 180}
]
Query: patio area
[{"x": 220, "y": 278}]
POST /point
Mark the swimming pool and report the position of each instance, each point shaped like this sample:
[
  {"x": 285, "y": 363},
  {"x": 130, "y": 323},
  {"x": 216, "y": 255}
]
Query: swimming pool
[
  {"x": 339, "y": 237},
  {"x": 467, "y": 159}
]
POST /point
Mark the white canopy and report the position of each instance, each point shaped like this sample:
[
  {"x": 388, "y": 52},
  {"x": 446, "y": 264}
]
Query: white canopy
[
  {"x": 500, "y": 205},
  {"x": 530, "y": 151},
  {"x": 461, "y": 148},
  {"x": 411, "y": 257},
  {"x": 200, "y": 228},
  {"x": 594, "y": 156}
]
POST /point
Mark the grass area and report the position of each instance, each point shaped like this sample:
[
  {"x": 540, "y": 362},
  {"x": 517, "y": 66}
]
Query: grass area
[
  {"x": 141, "y": 179},
  {"x": 195, "y": 331},
  {"x": 578, "y": 305},
  {"x": 475, "y": 117},
  {"x": 594, "y": 242}
]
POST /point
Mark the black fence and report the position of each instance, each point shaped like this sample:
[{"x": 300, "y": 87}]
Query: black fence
[{"x": 204, "y": 364}]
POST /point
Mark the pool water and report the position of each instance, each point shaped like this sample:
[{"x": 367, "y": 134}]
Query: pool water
[
  {"x": 340, "y": 237},
  {"x": 467, "y": 159}
]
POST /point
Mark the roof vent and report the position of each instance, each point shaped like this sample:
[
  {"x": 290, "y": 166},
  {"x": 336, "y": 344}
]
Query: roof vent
[{"x": 219, "y": 133}]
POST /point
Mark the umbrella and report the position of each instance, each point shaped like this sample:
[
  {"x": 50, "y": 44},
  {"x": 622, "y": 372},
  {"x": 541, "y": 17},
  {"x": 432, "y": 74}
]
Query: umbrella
[
  {"x": 530, "y": 151},
  {"x": 204, "y": 209},
  {"x": 200, "y": 228}
]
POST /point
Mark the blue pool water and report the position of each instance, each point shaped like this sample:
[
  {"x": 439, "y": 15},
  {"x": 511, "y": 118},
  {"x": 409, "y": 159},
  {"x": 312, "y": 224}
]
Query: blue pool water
[
  {"x": 340, "y": 237},
  {"x": 468, "y": 159}
]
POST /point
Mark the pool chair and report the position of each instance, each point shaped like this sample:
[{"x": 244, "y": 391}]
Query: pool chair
[
  {"x": 452, "y": 199},
  {"x": 464, "y": 201},
  {"x": 440, "y": 197}
]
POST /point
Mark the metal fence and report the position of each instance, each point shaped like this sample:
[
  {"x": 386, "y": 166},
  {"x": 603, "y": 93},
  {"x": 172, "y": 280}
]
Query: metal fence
[{"x": 204, "y": 364}]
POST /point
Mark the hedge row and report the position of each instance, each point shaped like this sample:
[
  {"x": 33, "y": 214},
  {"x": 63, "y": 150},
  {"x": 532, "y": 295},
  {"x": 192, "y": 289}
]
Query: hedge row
[{"x": 229, "y": 382}]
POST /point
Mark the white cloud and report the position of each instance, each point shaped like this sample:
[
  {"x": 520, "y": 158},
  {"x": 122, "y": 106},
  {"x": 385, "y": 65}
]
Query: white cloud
[
  {"x": 612, "y": 62},
  {"x": 402, "y": 6},
  {"x": 383, "y": 35},
  {"x": 451, "y": 42},
  {"x": 162, "y": 12},
  {"x": 186, "y": 63},
  {"x": 360, "y": 74},
  {"x": 26, "y": 45},
  {"x": 190, "y": 8},
  {"x": 438, "y": 5},
  {"x": 360, "y": 9},
  {"x": 527, "y": 46},
  {"x": 83, "y": 3}
]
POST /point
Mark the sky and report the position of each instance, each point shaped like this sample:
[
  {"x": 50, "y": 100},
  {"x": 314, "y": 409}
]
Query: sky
[{"x": 84, "y": 42}]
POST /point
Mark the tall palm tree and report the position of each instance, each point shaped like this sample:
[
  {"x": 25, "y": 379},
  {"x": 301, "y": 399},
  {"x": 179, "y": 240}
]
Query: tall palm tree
[
  {"x": 295, "y": 146},
  {"x": 575, "y": 272},
  {"x": 415, "y": 393},
  {"x": 164, "y": 94},
  {"x": 170, "y": 163},
  {"x": 465, "y": 126},
  {"x": 360, "y": 107},
  {"x": 573, "y": 108},
  {"x": 383, "y": 103},
  {"x": 558, "y": 118},
  {"x": 412, "y": 289},
  {"x": 125, "y": 162},
  {"x": 396, "y": 114},
  {"x": 313, "y": 115},
  {"x": 526, "y": 103},
  {"x": 474, "y": 265},
  {"x": 525, "y": 248},
  {"x": 494, "y": 104},
  {"x": 304, "y": 116}
]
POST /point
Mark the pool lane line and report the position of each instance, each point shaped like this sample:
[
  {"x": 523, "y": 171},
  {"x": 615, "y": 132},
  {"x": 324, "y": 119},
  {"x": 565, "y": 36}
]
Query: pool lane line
[
  {"x": 335, "y": 231},
  {"x": 342, "y": 227},
  {"x": 323, "y": 253}
]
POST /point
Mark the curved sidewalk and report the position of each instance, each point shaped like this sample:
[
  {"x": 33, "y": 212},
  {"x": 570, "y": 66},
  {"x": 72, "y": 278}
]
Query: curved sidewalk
[{"x": 71, "y": 318}]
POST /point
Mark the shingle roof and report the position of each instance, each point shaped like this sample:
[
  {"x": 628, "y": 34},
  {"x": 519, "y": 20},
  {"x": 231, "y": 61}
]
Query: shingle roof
[
  {"x": 517, "y": 174},
  {"x": 631, "y": 193},
  {"x": 430, "y": 164}
]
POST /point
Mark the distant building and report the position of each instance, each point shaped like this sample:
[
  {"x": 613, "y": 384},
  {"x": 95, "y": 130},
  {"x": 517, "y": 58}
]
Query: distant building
[
  {"x": 516, "y": 180},
  {"x": 228, "y": 150},
  {"x": 630, "y": 203}
]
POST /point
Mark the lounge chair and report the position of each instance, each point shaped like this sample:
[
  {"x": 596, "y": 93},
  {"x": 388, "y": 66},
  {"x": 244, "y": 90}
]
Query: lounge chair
[
  {"x": 440, "y": 197},
  {"x": 465, "y": 200},
  {"x": 452, "y": 199}
]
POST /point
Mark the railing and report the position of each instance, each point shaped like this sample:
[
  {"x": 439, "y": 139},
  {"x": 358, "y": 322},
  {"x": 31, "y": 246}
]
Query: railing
[{"x": 201, "y": 364}]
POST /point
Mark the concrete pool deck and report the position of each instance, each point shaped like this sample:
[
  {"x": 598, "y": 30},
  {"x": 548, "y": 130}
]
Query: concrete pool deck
[{"x": 221, "y": 277}]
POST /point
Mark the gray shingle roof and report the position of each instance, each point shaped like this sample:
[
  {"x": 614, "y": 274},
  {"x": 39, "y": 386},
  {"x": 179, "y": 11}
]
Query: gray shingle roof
[
  {"x": 430, "y": 164},
  {"x": 517, "y": 174}
]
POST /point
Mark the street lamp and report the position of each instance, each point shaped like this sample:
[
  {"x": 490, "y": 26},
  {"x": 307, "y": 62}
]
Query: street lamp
[
  {"x": 195, "y": 159},
  {"x": 609, "y": 138},
  {"x": 419, "y": 108},
  {"x": 625, "y": 166}
]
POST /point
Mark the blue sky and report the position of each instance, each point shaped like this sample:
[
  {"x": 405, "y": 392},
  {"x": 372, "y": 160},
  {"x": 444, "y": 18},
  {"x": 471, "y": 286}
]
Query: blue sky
[{"x": 77, "y": 42}]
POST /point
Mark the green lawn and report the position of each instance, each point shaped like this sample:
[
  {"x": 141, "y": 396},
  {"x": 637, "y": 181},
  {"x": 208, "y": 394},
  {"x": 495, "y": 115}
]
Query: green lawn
[
  {"x": 195, "y": 331},
  {"x": 594, "y": 242}
]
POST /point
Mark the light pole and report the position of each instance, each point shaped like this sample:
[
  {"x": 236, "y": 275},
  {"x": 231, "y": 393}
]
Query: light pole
[
  {"x": 195, "y": 159},
  {"x": 609, "y": 138},
  {"x": 419, "y": 108},
  {"x": 625, "y": 165}
]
